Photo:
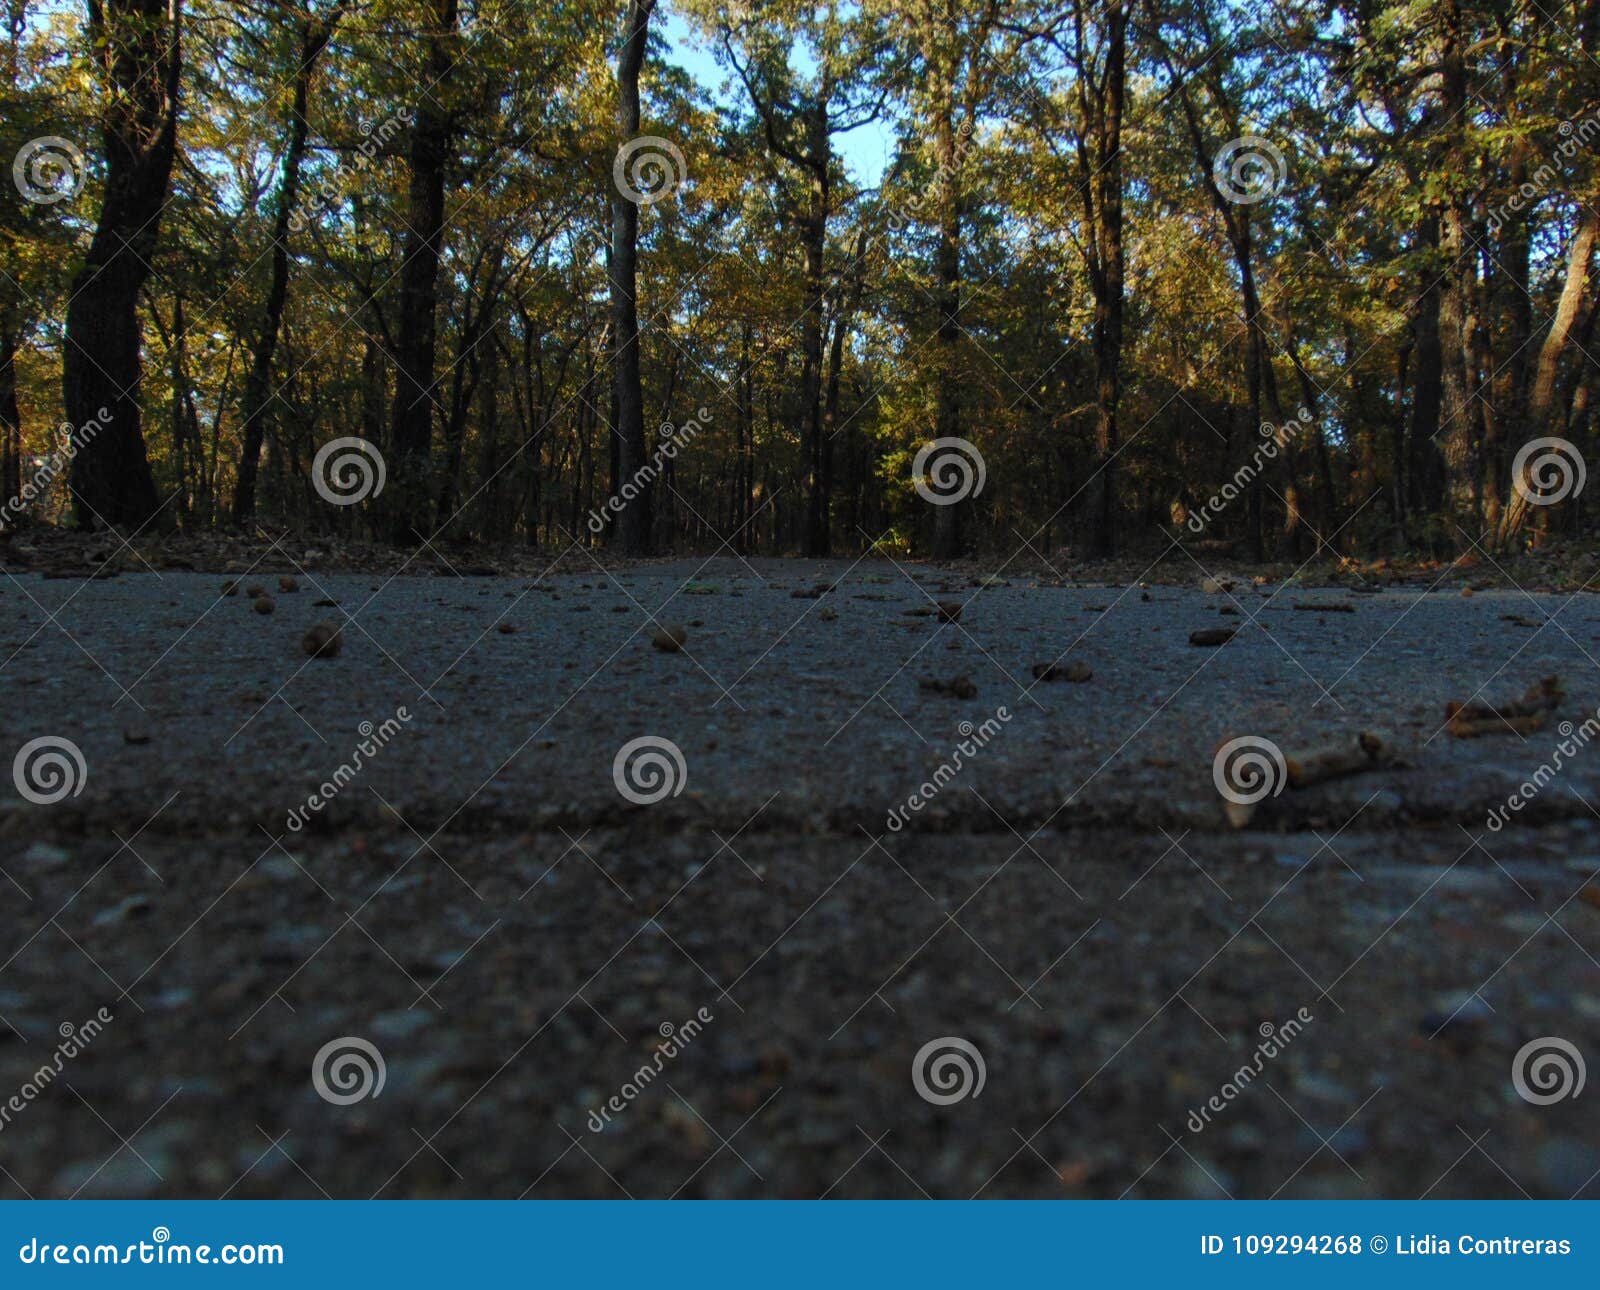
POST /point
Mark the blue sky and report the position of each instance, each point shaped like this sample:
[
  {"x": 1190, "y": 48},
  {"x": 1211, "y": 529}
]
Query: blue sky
[{"x": 865, "y": 152}]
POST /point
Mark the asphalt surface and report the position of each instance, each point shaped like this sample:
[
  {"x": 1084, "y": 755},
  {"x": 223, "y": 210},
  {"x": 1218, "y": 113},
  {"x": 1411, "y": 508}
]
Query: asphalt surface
[{"x": 479, "y": 900}]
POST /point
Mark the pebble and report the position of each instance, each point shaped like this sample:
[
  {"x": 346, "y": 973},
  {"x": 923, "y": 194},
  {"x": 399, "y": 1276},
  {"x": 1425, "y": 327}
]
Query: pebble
[
  {"x": 45, "y": 855},
  {"x": 1455, "y": 1015},
  {"x": 669, "y": 637},
  {"x": 130, "y": 907}
]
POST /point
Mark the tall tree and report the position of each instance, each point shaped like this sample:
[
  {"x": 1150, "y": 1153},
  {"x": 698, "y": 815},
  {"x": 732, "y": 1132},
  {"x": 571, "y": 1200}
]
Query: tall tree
[
  {"x": 135, "y": 44},
  {"x": 960, "y": 65},
  {"x": 799, "y": 116},
  {"x": 1093, "y": 42},
  {"x": 633, "y": 524},
  {"x": 416, "y": 340},
  {"x": 312, "y": 36}
]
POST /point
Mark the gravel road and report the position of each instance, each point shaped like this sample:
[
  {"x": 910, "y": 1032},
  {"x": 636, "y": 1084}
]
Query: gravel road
[{"x": 740, "y": 982}]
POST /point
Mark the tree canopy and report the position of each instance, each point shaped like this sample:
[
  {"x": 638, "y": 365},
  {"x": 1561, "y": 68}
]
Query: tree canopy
[{"x": 1292, "y": 276}]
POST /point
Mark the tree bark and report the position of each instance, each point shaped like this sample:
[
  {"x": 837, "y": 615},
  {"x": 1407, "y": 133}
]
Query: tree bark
[
  {"x": 632, "y": 526},
  {"x": 10, "y": 418},
  {"x": 947, "y": 298},
  {"x": 258, "y": 392},
  {"x": 416, "y": 342},
  {"x": 136, "y": 44},
  {"x": 1542, "y": 396},
  {"x": 1103, "y": 196},
  {"x": 815, "y": 445}
]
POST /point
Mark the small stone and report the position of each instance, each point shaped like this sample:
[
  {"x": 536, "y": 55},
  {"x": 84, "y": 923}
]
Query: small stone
[
  {"x": 287, "y": 583},
  {"x": 323, "y": 640},
  {"x": 1458, "y": 1017},
  {"x": 135, "y": 735},
  {"x": 231, "y": 587},
  {"x": 132, "y": 907},
  {"x": 255, "y": 590},
  {"x": 506, "y": 629},
  {"x": 1212, "y": 635},
  {"x": 960, "y": 687},
  {"x": 949, "y": 611},
  {"x": 263, "y": 605},
  {"x": 669, "y": 637},
  {"x": 401, "y": 1024},
  {"x": 45, "y": 855},
  {"x": 1075, "y": 672},
  {"x": 278, "y": 868}
]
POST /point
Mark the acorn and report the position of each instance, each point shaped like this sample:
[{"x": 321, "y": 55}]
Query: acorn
[
  {"x": 263, "y": 604},
  {"x": 286, "y": 583},
  {"x": 255, "y": 591},
  {"x": 322, "y": 641}
]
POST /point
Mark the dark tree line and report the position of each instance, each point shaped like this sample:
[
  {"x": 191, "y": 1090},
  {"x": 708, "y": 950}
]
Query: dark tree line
[{"x": 1115, "y": 249}]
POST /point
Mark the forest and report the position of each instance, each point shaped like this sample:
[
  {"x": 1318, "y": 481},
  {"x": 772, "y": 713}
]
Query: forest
[{"x": 1293, "y": 278}]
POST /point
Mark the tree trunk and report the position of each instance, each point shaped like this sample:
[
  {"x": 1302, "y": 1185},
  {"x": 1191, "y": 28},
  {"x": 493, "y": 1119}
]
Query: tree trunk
[
  {"x": 258, "y": 392},
  {"x": 815, "y": 445},
  {"x": 1107, "y": 280},
  {"x": 830, "y": 402},
  {"x": 1542, "y": 397},
  {"x": 416, "y": 343},
  {"x": 633, "y": 523},
  {"x": 1460, "y": 443},
  {"x": 10, "y": 419},
  {"x": 136, "y": 44},
  {"x": 947, "y": 296}
]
